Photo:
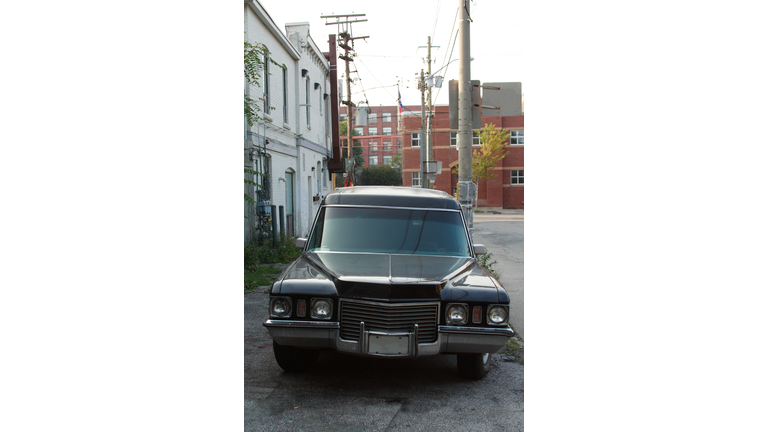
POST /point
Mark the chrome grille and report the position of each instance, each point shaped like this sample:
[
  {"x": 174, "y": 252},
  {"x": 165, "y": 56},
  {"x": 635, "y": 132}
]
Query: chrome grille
[{"x": 397, "y": 317}]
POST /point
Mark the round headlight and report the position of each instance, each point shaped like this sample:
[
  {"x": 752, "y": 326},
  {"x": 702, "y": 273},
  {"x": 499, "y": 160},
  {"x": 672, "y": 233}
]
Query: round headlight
[
  {"x": 457, "y": 314},
  {"x": 321, "y": 308},
  {"x": 281, "y": 307},
  {"x": 497, "y": 315}
]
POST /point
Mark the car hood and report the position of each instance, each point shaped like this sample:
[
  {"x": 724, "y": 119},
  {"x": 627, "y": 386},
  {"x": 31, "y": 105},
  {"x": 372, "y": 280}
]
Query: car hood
[
  {"x": 389, "y": 277},
  {"x": 387, "y": 268}
]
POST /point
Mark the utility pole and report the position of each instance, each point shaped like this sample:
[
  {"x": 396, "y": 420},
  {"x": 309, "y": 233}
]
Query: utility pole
[
  {"x": 464, "y": 135},
  {"x": 346, "y": 38},
  {"x": 430, "y": 152},
  {"x": 422, "y": 142},
  {"x": 431, "y": 170}
]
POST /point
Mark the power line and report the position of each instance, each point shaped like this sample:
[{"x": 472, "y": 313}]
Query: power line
[
  {"x": 374, "y": 77},
  {"x": 437, "y": 14}
]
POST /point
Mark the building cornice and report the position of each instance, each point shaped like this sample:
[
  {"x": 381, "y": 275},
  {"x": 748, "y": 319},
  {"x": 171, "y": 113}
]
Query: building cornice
[{"x": 262, "y": 14}]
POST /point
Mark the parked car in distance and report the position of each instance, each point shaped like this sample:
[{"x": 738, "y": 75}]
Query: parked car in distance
[{"x": 388, "y": 272}]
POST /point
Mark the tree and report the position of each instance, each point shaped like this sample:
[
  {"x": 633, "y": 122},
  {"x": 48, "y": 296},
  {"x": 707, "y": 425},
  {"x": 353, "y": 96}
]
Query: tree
[
  {"x": 254, "y": 57},
  {"x": 255, "y": 54},
  {"x": 381, "y": 175},
  {"x": 484, "y": 160}
]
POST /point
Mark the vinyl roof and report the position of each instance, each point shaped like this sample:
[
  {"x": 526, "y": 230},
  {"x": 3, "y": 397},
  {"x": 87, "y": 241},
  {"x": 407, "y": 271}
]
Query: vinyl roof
[{"x": 391, "y": 196}]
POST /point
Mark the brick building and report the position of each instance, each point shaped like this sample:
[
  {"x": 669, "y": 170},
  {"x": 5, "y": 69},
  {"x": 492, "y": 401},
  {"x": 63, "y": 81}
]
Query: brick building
[
  {"x": 380, "y": 138},
  {"x": 505, "y": 190}
]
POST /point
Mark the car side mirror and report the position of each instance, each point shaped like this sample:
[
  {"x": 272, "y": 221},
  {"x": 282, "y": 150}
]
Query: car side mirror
[
  {"x": 300, "y": 242},
  {"x": 479, "y": 249}
]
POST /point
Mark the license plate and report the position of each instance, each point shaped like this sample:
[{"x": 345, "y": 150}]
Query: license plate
[{"x": 388, "y": 344}]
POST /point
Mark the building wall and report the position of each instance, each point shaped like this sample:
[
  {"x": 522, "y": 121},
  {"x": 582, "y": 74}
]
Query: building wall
[
  {"x": 292, "y": 145},
  {"x": 495, "y": 192}
]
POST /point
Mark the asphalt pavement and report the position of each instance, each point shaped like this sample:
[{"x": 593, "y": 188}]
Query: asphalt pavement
[{"x": 501, "y": 231}]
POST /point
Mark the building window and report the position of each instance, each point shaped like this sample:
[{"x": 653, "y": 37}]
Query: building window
[
  {"x": 266, "y": 83},
  {"x": 386, "y": 117},
  {"x": 386, "y": 130},
  {"x": 516, "y": 177},
  {"x": 415, "y": 139},
  {"x": 399, "y": 144},
  {"x": 325, "y": 169},
  {"x": 318, "y": 175},
  {"x": 415, "y": 179},
  {"x": 309, "y": 124},
  {"x": 372, "y": 117},
  {"x": 387, "y": 160},
  {"x": 285, "y": 94},
  {"x": 373, "y": 146},
  {"x": 455, "y": 139},
  {"x": 516, "y": 137},
  {"x": 320, "y": 101},
  {"x": 387, "y": 145},
  {"x": 373, "y": 131},
  {"x": 343, "y": 117},
  {"x": 359, "y": 131},
  {"x": 373, "y": 160}
]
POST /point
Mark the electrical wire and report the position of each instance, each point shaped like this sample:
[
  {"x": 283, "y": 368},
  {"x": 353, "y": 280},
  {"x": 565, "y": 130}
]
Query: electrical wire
[
  {"x": 437, "y": 14},
  {"x": 377, "y": 80}
]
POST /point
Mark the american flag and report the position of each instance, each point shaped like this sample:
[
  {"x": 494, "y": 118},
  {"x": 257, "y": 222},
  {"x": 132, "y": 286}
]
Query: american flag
[{"x": 399, "y": 103}]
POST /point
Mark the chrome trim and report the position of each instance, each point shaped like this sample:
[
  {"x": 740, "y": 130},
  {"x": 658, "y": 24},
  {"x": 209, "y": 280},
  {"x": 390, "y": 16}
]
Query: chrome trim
[
  {"x": 393, "y": 304},
  {"x": 392, "y": 207},
  {"x": 479, "y": 331},
  {"x": 432, "y": 327},
  {"x": 325, "y": 325},
  {"x": 415, "y": 340},
  {"x": 317, "y": 251}
]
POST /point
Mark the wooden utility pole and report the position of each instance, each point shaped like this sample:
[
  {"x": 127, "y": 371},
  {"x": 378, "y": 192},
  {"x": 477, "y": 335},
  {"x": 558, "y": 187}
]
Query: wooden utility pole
[{"x": 347, "y": 42}]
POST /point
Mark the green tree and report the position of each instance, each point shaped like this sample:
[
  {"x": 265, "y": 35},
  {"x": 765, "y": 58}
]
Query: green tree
[
  {"x": 381, "y": 175},
  {"x": 255, "y": 55},
  {"x": 491, "y": 152}
]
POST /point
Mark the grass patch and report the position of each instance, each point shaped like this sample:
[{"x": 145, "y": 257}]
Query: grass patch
[
  {"x": 260, "y": 252},
  {"x": 260, "y": 276}
]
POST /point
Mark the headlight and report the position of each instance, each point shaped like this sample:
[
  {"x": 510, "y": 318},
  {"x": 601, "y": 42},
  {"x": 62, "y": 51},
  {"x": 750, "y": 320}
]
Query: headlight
[
  {"x": 321, "y": 308},
  {"x": 280, "y": 307},
  {"x": 456, "y": 314},
  {"x": 497, "y": 315}
]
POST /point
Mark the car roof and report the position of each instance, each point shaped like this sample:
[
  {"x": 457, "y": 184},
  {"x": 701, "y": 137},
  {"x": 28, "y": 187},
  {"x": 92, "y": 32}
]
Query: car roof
[{"x": 391, "y": 196}]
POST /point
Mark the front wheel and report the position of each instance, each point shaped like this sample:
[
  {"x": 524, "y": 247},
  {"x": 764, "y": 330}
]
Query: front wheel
[
  {"x": 293, "y": 359},
  {"x": 473, "y": 366}
]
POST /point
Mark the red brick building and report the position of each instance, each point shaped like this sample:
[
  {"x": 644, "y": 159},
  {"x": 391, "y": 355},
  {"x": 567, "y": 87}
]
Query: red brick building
[
  {"x": 505, "y": 190},
  {"x": 380, "y": 138}
]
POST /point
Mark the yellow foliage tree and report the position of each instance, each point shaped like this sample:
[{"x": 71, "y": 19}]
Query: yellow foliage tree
[{"x": 484, "y": 160}]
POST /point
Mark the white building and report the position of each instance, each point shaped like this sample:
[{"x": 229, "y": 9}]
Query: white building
[{"x": 292, "y": 142}]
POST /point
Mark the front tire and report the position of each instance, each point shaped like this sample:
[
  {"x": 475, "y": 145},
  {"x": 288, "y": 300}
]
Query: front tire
[
  {"x": 473, "y": 366},
  {"x": 293, "y": 359}
]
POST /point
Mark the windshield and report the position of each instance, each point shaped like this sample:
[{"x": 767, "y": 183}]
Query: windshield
[{"x": 393, "y": 231}]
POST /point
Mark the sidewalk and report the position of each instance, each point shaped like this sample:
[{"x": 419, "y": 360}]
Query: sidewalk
[{"x": 499, "y": 210}]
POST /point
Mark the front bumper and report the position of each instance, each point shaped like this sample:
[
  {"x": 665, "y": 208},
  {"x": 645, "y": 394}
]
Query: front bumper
[{"x": 450, "y": 339}]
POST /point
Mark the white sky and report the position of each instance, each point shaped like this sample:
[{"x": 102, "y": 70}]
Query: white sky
[{"x": 396, "y": 30}]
